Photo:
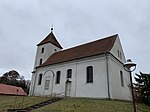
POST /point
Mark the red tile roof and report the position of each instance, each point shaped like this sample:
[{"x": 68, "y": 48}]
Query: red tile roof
[
  {"x": 82, "y": 51},
  {"x": 11, "y": 90},
  {"x": 50, "y": 39}
]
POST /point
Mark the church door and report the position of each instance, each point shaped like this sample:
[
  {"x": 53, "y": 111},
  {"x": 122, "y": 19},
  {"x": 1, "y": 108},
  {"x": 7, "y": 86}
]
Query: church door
[{"x": 68, "y": 88}]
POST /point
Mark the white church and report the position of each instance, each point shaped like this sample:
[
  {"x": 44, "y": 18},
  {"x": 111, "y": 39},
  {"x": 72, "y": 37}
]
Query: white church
[{"x": 91, "y": 70}]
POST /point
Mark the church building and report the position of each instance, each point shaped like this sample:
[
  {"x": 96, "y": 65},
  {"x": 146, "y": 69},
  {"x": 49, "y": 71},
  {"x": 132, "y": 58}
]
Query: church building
[{"x": 91, "y": 70}]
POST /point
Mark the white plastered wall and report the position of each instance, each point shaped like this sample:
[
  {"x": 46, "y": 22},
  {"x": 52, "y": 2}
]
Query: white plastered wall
[
  {"x": 115, "y": 66},
  {"x": 49, "y": 49},
  {"x": 79, "y": 87},
  {"x": 117, "y": 91}
]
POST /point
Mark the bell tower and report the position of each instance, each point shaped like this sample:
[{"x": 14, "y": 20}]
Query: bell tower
[{"x": 46, "y": 48}]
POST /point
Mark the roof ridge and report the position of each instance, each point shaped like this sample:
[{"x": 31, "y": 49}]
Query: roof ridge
[{"x": 103, "y": 38}]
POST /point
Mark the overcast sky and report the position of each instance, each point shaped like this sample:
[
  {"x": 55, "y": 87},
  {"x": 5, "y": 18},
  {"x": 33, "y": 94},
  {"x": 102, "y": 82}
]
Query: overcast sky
[{"x": 24, "y": 23}]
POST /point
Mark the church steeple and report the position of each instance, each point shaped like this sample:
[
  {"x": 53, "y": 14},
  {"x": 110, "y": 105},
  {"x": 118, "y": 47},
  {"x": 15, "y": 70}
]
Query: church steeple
[
  {"x": 50, "y": 39},
  {"x": 47, "y": 47}
]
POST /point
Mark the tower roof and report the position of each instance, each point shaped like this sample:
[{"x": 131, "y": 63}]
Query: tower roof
[
  {"x": 50, "y": 39},
  {"x": 85, "y": 50}
]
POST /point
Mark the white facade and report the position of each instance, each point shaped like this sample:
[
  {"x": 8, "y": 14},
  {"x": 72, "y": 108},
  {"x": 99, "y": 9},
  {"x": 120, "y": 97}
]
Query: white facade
[{"x": 106, "y": 75}]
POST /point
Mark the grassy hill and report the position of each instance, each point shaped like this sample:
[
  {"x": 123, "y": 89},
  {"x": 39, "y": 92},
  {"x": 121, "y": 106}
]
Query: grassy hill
[
  {"x": 92, "y": 105},
  {"x": 9, "y": 102},
  {"x": 72, "y": 105}
]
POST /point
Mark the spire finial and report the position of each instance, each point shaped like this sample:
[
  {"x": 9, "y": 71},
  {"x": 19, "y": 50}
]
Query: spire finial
[{"x": 52, "y": 28}]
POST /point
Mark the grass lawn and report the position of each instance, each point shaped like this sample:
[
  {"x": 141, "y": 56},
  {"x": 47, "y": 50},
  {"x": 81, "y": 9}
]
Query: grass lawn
[
  {"x": 8, "y": 102},
  {"x": 91, "y": 105},
  {"x": 72, "y": 105}
]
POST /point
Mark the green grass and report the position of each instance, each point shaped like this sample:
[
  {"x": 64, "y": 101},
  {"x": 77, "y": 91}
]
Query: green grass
[
  {"x": 91, "y": 105},
  {"x": 9, "y": 102},
  {"x": 72, "y": 105}
]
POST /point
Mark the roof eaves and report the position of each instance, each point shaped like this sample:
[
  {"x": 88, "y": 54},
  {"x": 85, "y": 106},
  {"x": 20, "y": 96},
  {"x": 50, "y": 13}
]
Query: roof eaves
[{"x": 43, "y": 65}]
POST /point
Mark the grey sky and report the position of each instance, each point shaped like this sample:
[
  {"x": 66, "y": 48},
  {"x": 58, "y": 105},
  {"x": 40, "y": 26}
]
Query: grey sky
[{"x": 24, "y": 23}]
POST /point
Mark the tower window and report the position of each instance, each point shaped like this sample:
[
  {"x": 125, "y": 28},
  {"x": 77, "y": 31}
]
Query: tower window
[
  {"x": 69, "y": 73},
  {"x": 118, "y": 53},
  {"x": 58, "y": 73},
  {"x": 121, "y": 78},
  {"x": 40, "y": 61},
  {"x": 89, "y": 74},
  {"x": 40, "y": 79},
  {"x": 42, "y": 51}
]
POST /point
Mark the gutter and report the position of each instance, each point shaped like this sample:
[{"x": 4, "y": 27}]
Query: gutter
[{"x": 107, "y": 71}]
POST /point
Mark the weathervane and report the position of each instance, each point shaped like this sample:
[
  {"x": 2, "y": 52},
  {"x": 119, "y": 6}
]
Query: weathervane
[{"x": 52, "y": 28}]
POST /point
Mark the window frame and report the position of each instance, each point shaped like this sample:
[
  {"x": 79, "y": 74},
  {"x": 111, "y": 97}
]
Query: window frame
[
  {"x": 41, "y": 61},
  {"x": 42, "y": 50},
  {"x": 89, "y": 74},
  {"x": 58, "y": 75},
  {"x": 40, "y": 79},
  {"x": 121, "y": 79},
  {"x": 69, "y": 73}
]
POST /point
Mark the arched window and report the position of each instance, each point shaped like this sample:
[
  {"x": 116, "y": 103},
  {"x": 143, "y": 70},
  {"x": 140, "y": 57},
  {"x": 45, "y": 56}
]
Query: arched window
[
  {"x": 57, "y": 81},
  {"x": 89, "y": 74},
  {"x": 42, "y": 51},
  {"x": 40, "y": 61},
  {"x": 69, "y": 73},
  {"x": 40, "y": 79},
  {"x": 121, "y": 78}
]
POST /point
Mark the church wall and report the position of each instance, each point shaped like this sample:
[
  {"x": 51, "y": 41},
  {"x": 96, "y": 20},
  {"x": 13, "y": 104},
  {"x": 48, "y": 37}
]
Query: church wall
[
  {"x": 79, "y": 87},
  {"x": 97, "y": 89},
  {"x": 60, "y": 88},
  {"x": 57, "y": 88},
  {"x": 48, "y": 73},
  {"x": 117, "y": 90}
]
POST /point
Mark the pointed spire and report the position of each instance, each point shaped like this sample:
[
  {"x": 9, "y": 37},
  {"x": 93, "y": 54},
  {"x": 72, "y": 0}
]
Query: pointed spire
[
  {"x": 50, "y": 38},
  {"x": 52, "y": 28}
]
